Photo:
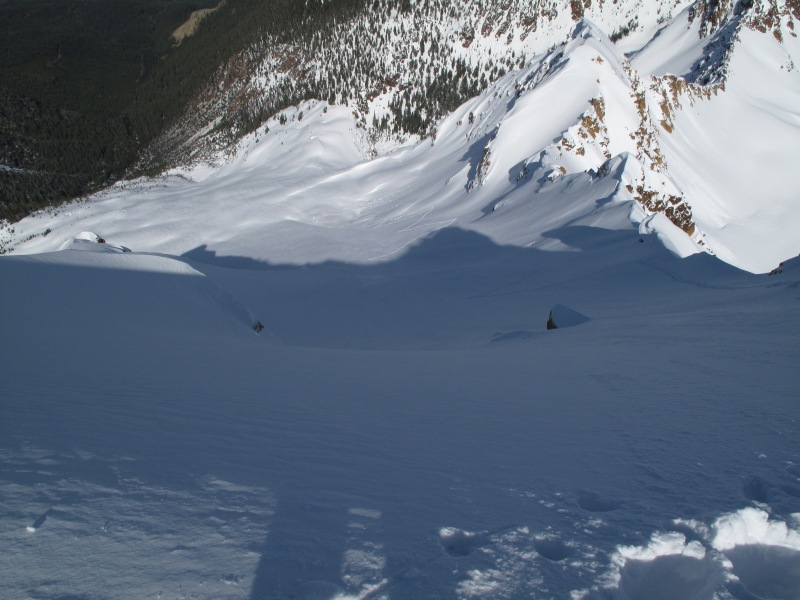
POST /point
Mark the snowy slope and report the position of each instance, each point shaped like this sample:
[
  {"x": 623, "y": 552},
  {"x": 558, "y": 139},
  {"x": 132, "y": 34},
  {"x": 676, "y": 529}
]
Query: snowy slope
[
  {"x": 107, "y": 293},
  {"x": 415, "y": 433},
  {"x": 735, "y": 155},
  {"x": 579, "y": 136},
  {"x": 406, "y": 426}
]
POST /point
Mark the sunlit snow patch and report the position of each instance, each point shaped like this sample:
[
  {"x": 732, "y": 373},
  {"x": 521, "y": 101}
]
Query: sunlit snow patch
[
  {"x": 762, "y": 555},
  {"x": 743, "y": 553},
  {"x": 91, "y": 242},
  {"x": 667, "y": 567},
  {"x": 458, "y": 542},
  {"x": 505, "y": 564}
]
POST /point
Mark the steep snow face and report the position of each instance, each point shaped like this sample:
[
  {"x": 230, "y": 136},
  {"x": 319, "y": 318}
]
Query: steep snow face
[
  {"x": 734, "y": 153},
  {"x": 674, "y": 50}
]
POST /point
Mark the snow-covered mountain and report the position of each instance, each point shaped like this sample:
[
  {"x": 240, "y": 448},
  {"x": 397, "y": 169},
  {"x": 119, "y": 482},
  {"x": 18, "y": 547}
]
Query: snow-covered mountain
[
  {"x": 695, "y": 134},
  {"x": 499, "y": 361}
]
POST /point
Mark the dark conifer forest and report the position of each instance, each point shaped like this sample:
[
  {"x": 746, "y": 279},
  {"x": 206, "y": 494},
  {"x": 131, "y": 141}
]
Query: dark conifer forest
[{"x": 94, "y": 91}]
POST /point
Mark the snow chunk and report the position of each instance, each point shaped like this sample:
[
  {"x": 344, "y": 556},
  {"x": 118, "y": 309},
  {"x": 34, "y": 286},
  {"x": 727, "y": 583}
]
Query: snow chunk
[
  {"x": 762, "y": 555},
  {"x": 665, "y": 568},
  {"x": 752, "y": 526},
  {"x": 663, "y": 544},
  {"x": 743, "y": 551}
]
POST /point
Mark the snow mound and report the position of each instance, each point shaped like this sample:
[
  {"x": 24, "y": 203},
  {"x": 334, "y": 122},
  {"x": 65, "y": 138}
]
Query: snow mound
[
  {"x": 667, "y": 568},
  {"x": 458, "y": 542},
  {"x": 753, "y": 526},
  {"x": 112, "y": 295},
  {"x": 762, "y": 554},
  {"x": 91, "y": 242},
  {"x": 563, "y": 316},
  {"x": 89, "y": 237}
]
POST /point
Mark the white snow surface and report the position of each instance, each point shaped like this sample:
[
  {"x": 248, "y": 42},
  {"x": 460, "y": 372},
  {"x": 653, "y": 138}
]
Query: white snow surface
[
  {"x": 405, "y": 426},
  {"x": 673, "y": 50},
  {"x": 738, "y": 152}
]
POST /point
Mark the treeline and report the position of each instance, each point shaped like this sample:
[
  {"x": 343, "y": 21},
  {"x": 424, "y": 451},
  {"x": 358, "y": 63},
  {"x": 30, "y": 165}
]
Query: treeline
[
  {"x": 49, "y": 155},
  {"x": 198, "y": 86},
  {"x": 94, "y": 91},
  {"x": 87, "y": 87},
  {"x": 69, "y": 72},
  {"x": 350, "y": 52}
]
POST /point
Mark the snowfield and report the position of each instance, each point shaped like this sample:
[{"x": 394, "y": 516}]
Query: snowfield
[
  {"x": 406, "y": 425},
  {"x": 406, "y": 429}
]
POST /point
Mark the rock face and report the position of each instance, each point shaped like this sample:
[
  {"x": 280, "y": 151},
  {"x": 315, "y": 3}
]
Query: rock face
[{"x": 563, "y": 316}]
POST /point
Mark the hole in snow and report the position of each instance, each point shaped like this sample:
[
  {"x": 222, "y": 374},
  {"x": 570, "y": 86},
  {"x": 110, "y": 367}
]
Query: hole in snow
[
  {"x": 594, "y": 502},
  {"x": 768, "y": 572},
  {"x": 458, "y": 542},
  {"x": 552, "y": 549},
  {"x": 669, "y": 577}
]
